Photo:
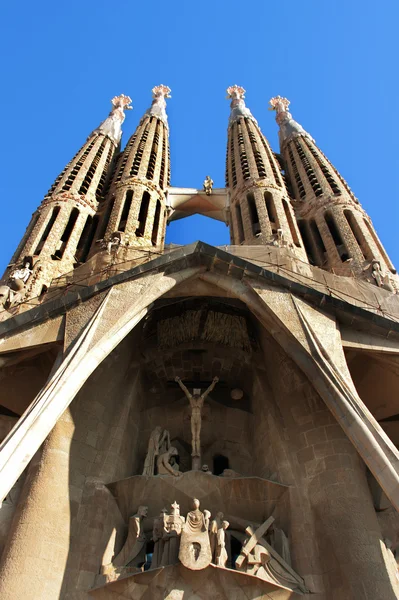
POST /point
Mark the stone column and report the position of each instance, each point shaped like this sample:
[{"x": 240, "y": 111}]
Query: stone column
[{"x": 36, "y": 551}]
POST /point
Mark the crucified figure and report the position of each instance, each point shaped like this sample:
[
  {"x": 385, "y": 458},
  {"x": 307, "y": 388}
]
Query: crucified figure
[{"x": 196, "y": 402}]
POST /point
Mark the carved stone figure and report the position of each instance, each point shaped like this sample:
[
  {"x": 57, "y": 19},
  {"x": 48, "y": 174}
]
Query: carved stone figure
[
  {"x": 163, "y": 462},
  {"x": 114, "y": 242},
  {"x": 195, "y": 550},
  {"x": 19, "y": 277},
  {"x": 135, "y": 539},
  {"x": 213, "y": 532},
  {"x": 221, "y": 552},
  {"x": 208, "y": 185},
  {"x": 158, "y": 533},
  {"x": 5, "y": 296},
  {"x": 159, "y": 442},
  {"x": 258, "y": 558},
  {"x": 171, "y": 538},
  {"x": 381, "y": 279},
  {"x": 196, "y": 402}
]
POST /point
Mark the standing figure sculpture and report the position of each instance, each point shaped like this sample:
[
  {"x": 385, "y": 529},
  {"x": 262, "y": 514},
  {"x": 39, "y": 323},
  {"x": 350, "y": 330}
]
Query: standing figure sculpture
[
  {"x": 208, "y": 185},
  {"x": 216, "y": 524},
  {"x": 158, "y": 443},
  {"x": 135, "y": 539},
  {"x": 196, "y": 400},
  {"x": 195, "y": 549},
  {"x": 221, "y": 552}
]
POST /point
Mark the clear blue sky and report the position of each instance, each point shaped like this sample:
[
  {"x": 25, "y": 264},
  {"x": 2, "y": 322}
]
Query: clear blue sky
[{"x": 63, "y": 61}]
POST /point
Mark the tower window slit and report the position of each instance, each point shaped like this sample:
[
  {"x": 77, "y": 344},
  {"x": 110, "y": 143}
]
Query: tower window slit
[
  {"x": 125, "y": 211},
  {"x": 291, "y": 224},
  {"x": 59, "y": 253},
  {"x": 163, "y": 161},
  {"x": 71, "y": 178},
  {"x": 153, "y": 154},
  {"x": 271, "y": 212},
  {"x": 233, "y": 161},
  {"x": 104, "y": 173},
  {"x": 84, "y": 233},
  {"x": 47, "y": 230},
  {"x": 303, "y": 228},
  {"x": 125, "y": 157},
  {"x": 358, "y": 234},
  {"x": 93, "y": 167},
  {"x": 155, "y": 228},
  {"x": 324, "y": 169},
  {"x": 271, "y": 159},
  {"x": 308, "y": 169},
  {"x": 240, "y": 224},
  {"x": 87, "y": 242},
  {"x": 139, "y": 152},
  {"x": 379, "y": 246},
  {"x": 243, "y": 154},
  {"x": 298, "y": 180},
  {"x": 260, "y": 167},
  {"x": 318, "y": 240},
  {"x": 253, "y": 213},
  {"x": 168, "y": 182},
  {"x": 336, "y": 235},
  {"x": 105, "y": 219},
  {"x": 145, "y": 202}
]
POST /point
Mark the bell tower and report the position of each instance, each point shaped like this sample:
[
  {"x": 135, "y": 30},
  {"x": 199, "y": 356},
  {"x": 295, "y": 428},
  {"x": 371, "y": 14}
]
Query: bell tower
[
  {"x": 338, "y": 234},
  {"x": 134, "y": 211},
  {"x": 60, "y": 232},
  {"x": 260, "y": 206}
]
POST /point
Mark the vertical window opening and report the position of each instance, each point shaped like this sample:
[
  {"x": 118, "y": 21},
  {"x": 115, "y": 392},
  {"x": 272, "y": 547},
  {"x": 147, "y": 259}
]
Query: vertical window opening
[
  {"x": 139, "y": 152},
  {"x": 336, "y": 235},
  {"x": 240, "y": 224},
  {"x": 243, "y": 154},
  {"x": 155, "y": 228},
  {"x": 154, "y": 151},
  {"x": 317, "y": 237},
  {"x": 324, "y": 169},
  {"x": 163, "y": 161},
  {"x": 72, "y": 176},
  {"x": 253, "y": 213},
  {"x": 291, "y": 224},
  {"x": 59, "y": 253},
  {"x": 303, "y": 228},
  {"x": 145, "y": 202},
  {"x": 271, "y": 212},
  {"x": 314, "y": 182},
  {"x": 125, "y": 212},
  {"x": 47, "y": 230},
  {"x": 105, "y": 174},
  {"x": 260, "y": 167},
  {"x": 92, "y": 169},
  {"x": 358, "y": 234},
  {"x": 105, "y": 220},
  {"x": 297, "y": 177}
]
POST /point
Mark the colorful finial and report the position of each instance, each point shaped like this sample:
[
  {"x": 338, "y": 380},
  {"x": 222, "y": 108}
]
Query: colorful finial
[
  {"x": 289, "y": 128},
  {"x": 112, "y": 124},
  {"x": 158, "y": 106},
  {"x": 238, "y": 109}
]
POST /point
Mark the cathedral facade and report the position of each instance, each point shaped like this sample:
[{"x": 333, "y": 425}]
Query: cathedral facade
[{"x": 199, "y": 422}]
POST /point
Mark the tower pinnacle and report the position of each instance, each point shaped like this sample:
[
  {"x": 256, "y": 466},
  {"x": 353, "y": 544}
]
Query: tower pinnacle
[
  {"x": 158, "y": 106},
  {"x": 238, "y": 108},
  {"x": 112, "y": 124},
  {"x": 289, "y": 128}
]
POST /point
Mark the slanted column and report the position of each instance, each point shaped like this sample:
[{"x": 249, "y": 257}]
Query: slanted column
[{"x": 33, "y": 562}]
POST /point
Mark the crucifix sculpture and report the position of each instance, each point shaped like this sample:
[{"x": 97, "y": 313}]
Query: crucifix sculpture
[{"x": 196, "y": 400}]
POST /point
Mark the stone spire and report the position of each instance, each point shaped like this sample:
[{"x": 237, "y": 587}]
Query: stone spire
[
  {"x": 158, "y": 106},
  {"x": 260, "y": 207},
  {"x": 134, "y": 209},
  {"x": 60, "y": 232},
  {"x": 112, "y": 124},
  {"x": 289, "y": 128},
  {"x": 238, "y": 108},
  {"x": 337, "y": 232}
]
